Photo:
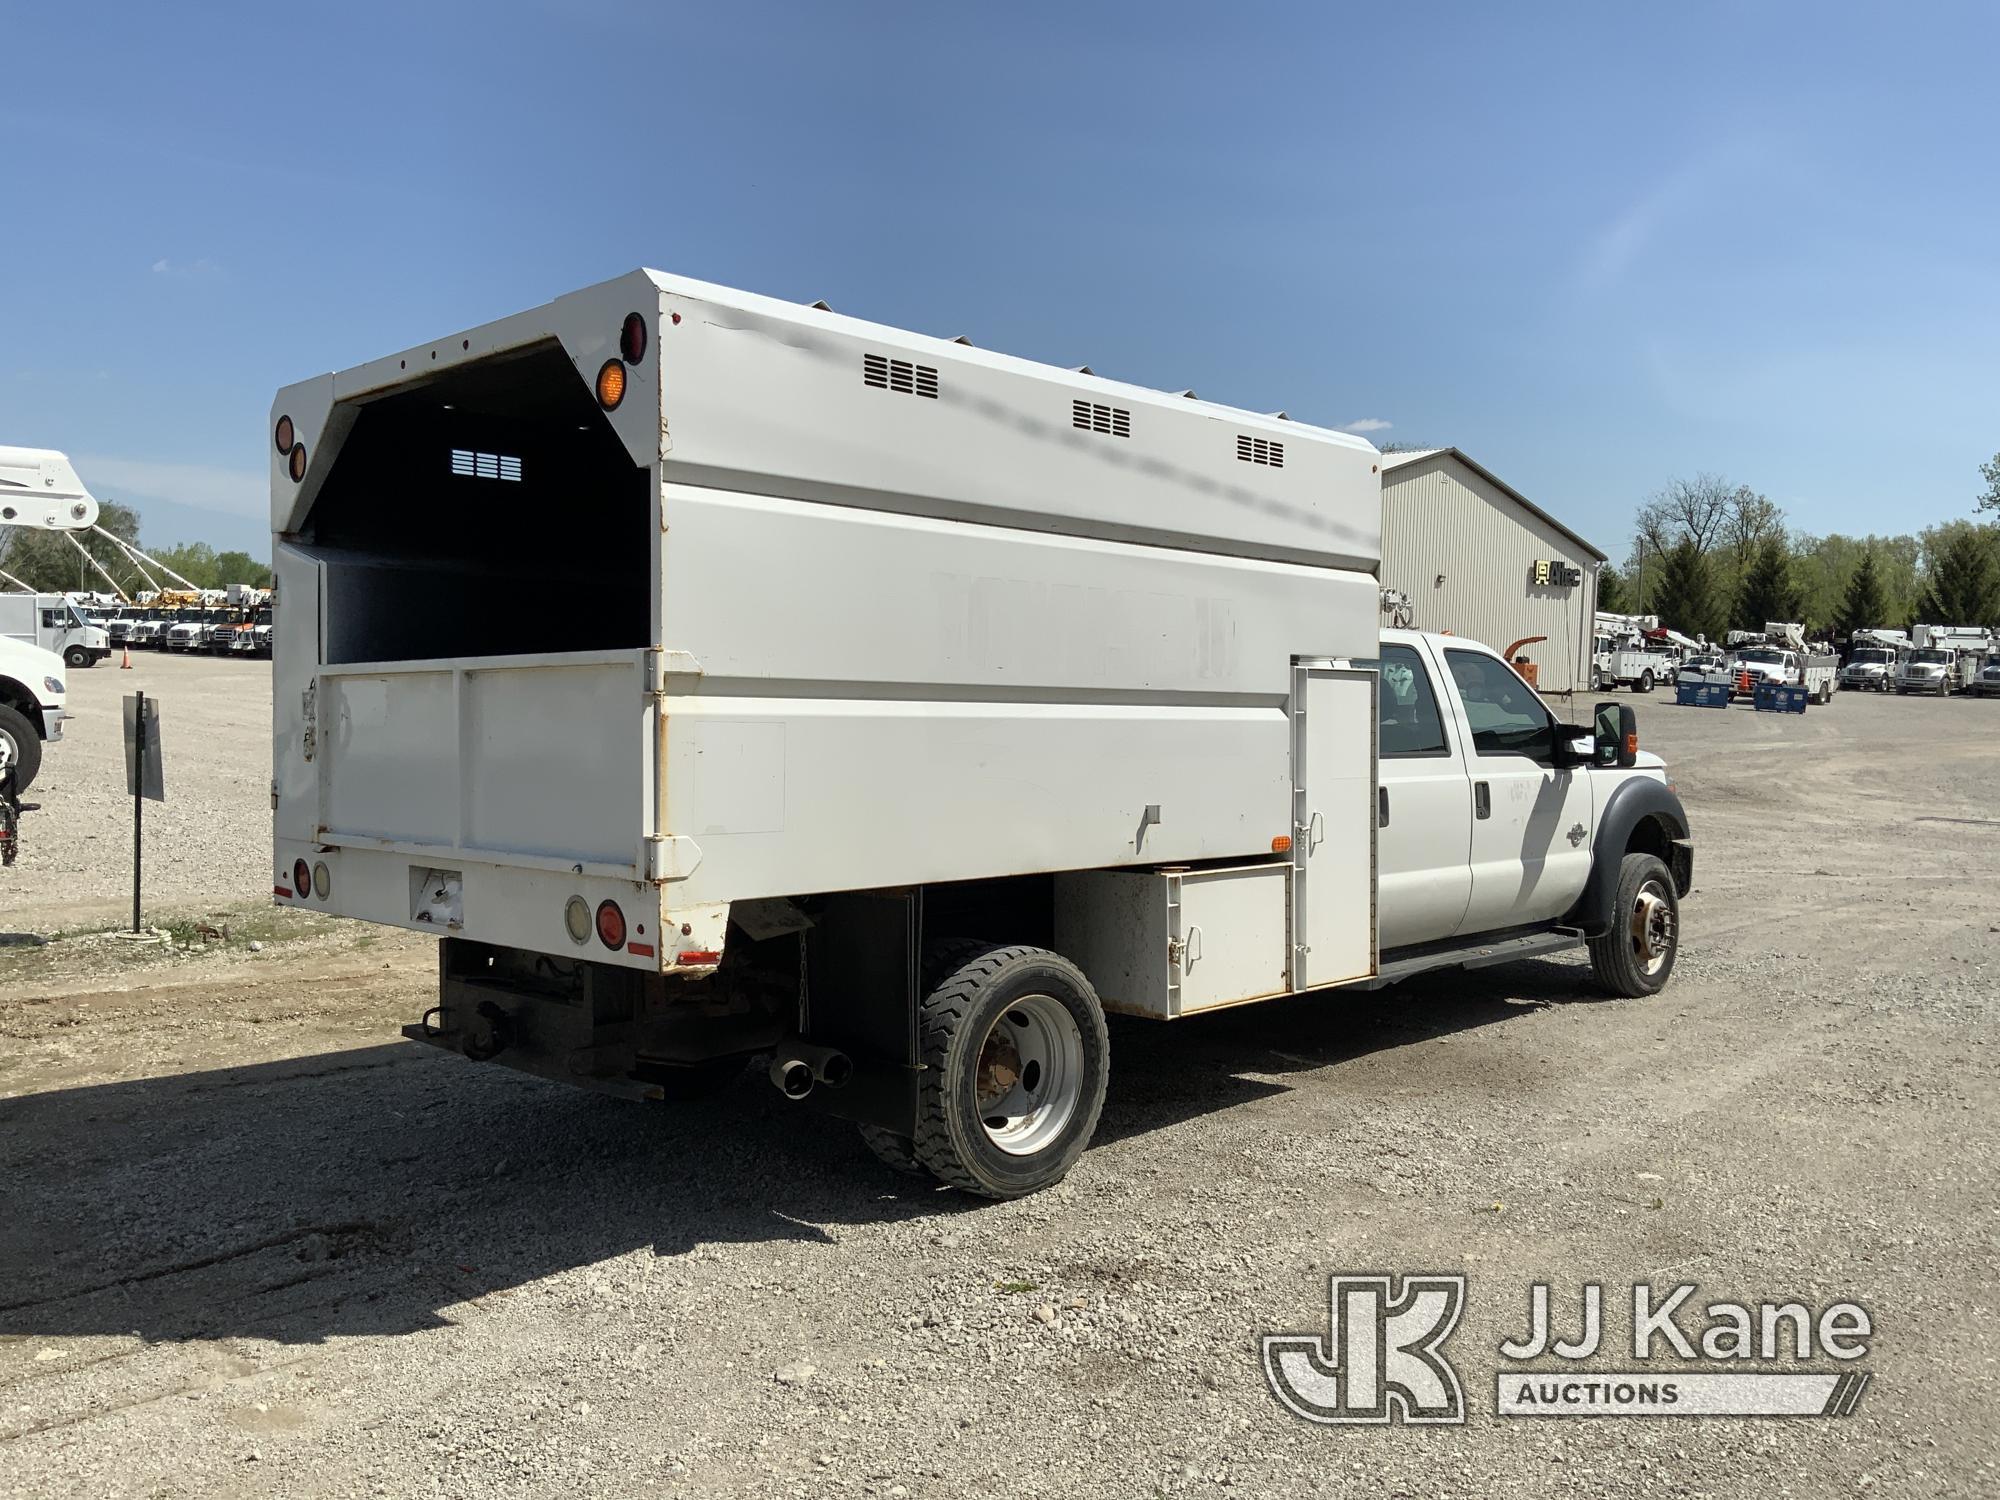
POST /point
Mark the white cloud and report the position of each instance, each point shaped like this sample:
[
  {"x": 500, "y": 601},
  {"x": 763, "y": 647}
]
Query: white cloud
[
  {"x": 1368, "y": 424},
  {"x": 202, "y": 267},
  {"x": 232, "y": 492},
  {"x": 1683, "y": 201}
]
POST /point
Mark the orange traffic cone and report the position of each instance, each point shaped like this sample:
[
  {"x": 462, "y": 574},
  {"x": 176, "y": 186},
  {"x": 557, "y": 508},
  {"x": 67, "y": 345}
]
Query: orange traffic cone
[{"x": 126, "y": 664}]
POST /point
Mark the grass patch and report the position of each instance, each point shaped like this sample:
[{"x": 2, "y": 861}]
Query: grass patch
[{"x": 190, "y": 937}]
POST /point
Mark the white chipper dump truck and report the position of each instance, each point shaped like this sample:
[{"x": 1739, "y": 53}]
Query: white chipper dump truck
[{"x": 931, "y": 703}]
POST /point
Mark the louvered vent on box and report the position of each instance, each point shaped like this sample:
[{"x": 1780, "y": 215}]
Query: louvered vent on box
[
  {"x": 1090, "y": 417},
  {"x": 899, "y": 375},
  {"x": 1256, "y": 450},
  {"x": 470, "y": 465}
]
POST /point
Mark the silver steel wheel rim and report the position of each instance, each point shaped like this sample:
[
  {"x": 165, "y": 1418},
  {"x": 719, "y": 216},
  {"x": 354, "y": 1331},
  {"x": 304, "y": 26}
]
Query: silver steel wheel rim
[
  {"x": 1029, "y": 1075},
  {"x": 8, "y": 750},
  {"x": 1652, "y": 928}
]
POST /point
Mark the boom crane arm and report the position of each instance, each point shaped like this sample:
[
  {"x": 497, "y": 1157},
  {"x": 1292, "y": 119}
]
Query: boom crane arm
[
  {"x": 39, "y": 489},
  {"x": 84, "y": 552}
]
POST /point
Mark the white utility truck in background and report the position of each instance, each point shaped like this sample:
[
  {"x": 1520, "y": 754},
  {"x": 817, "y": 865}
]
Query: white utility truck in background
[
  {"x": 1871, "y": 659},
  {"x": 931, "y": 703},
  {"x": 1620, "y": 657},
  {"x": 54, "y": 623},
  {"x": 1946, "y": 659},
  {"x": 1781, "y": 653},
  {"x": 39, "y": 491}
]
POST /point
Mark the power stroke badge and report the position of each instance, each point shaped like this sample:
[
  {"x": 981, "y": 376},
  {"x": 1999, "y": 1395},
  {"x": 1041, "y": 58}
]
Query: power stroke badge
[{"x": 1382, "y": 1358}]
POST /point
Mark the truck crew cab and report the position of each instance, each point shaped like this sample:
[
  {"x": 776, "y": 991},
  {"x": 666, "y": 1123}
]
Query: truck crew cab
[{"x": 934, "y": 702}]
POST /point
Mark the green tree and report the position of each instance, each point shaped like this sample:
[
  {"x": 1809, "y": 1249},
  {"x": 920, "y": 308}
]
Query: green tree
[
  {"x": 1961, "y": 575},
  {"x": 241, "y": 567},
  {"x": 1766, "y": 592},
  {"x": 1989, "y": 498},
  {"x": 1864, "y": 607},
  {"x": 1611, "y": 590},
  {"x": 194, "y": 561},
  {"x": 1683, "y": 595}
]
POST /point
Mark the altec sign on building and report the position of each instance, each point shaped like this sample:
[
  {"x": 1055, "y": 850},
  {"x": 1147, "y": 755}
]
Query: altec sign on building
[{"x": 1479, "y": 559}]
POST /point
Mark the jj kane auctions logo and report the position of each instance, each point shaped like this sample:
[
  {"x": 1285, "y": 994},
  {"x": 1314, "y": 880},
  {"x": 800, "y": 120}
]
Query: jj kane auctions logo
[{"x": 1382, "y": 1357}]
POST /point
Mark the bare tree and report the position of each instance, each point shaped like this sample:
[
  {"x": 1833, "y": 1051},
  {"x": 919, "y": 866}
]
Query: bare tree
[{"x": 1687, "y": 510}]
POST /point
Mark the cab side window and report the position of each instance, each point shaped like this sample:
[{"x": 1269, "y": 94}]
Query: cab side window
[
  {"x": 1507, "y": 716},
  {"x": 1408, "y": 721}
]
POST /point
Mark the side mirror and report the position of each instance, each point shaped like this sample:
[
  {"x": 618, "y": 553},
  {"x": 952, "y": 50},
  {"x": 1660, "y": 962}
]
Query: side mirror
[{"x": 1616, "y": 738}]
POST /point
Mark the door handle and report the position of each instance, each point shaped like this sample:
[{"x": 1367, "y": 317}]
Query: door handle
[
  {"x": 1381, "y": 807},
  {"x": 1482, "y": 799},
  {"x": 1315, "y": 832}
]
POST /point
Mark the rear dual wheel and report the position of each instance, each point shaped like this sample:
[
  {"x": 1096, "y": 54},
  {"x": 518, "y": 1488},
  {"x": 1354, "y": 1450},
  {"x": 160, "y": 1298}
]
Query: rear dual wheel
[{"x": 1016, "y": 1061}]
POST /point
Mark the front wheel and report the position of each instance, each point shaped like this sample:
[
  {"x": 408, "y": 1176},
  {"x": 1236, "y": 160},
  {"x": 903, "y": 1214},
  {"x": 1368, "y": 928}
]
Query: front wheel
[
  {"x": 20, "y": 747},
  {"x": 1636, "y": 955},
  {"x": 1016, "y": 1060},
  {"x": 78, "y": 658}
]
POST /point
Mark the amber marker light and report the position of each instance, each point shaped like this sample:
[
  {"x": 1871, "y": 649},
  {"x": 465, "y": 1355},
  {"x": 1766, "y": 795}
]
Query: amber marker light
[{"x": 611, "y": 384}]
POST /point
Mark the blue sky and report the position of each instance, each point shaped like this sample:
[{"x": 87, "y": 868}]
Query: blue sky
[{"x": 1595, "y": 246}]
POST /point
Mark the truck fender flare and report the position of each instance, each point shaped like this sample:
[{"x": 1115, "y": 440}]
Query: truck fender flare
[
  {"x": 1640, "y": 815},
  {"x": 16, "y": 695}
]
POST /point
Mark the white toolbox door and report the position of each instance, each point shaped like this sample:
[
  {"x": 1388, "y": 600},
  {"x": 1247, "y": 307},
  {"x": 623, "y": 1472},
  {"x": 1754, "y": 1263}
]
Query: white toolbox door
[{"x": 1334, "y": 848}]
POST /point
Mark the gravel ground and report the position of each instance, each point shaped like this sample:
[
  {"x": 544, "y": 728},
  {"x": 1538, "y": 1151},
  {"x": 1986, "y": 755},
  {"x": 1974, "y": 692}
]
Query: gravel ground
[
  {"x": 252, "y": 1244},
  {"x": 207, "y": 845}
]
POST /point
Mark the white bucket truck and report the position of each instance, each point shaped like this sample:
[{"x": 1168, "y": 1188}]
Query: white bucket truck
[
  {"x": 1621, "y": 657},
  {"x": 931, "y": 703},
  {"x": 1872, "y": 658},
  {"x": 39, "y": 490},
  {"x": 1780, "y": 653},
  {"x": 1946, "y": 659}
]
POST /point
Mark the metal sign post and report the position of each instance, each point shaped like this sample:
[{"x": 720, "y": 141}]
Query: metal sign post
[{"x": 143, "y": 778}]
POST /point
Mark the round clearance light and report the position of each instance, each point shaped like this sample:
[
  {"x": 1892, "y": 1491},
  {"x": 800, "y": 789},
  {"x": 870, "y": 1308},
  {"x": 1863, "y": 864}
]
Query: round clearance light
[
  {"x": 610, "y": 925},
  {"x": 576, "y": 918},
  {"x": 322, "y": 880},
  {"x": 632, "y": 338},
  {"x": 285, "y": 436},
  {"x": 611, "y": 384},
  {"x": 302, "y": 880},
  {"x": 298, "y": 464}
]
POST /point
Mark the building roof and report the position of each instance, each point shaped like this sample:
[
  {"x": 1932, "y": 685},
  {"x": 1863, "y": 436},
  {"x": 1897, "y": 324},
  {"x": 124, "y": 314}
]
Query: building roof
[{"x": 1414, "y": 455}]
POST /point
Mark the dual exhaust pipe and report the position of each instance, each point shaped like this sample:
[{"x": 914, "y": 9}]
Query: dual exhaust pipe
[{"x": 799, "y": 1065}]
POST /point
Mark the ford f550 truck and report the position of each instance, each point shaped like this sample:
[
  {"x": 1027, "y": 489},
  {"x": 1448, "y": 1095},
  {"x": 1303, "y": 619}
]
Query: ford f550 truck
[{"x": 931, "y": 703}]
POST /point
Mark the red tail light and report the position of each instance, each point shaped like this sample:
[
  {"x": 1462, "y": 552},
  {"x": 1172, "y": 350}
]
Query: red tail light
[
  {"x": 302, "y": 880},
  {"x": 632, "y": 338},
  {"x": 610, "y": 925}
]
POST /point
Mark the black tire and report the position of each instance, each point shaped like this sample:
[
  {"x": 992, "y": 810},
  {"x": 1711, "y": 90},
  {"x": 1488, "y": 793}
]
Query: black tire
[
  {"x": 25, "y": 746},
  {"x": 1625, "y": 961},
  {"x": 894, "y": 1151},
  {"x": 78, "y": 657},
  {"x": 1645, "y": 683},
  {"x": 1031, "y": 991}
]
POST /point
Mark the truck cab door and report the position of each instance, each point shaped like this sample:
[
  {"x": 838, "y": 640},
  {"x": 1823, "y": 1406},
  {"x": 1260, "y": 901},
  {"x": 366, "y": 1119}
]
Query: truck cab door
[
  {"x": 1423, "y": 805},
  {"x": 1531, "y": 821}
]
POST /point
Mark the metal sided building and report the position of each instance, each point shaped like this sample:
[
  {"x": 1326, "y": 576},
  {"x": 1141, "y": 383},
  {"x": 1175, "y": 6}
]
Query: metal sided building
[{"x": 1476, "y": 557}]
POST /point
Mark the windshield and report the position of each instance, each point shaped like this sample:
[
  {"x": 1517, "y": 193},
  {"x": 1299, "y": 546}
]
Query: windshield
[
  {"x": 78, "y": 618},
  {"x": 1873, "y": 654},
  {"x": 1771, "y": 658},
  {"x": 1936, "y": 657}
]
